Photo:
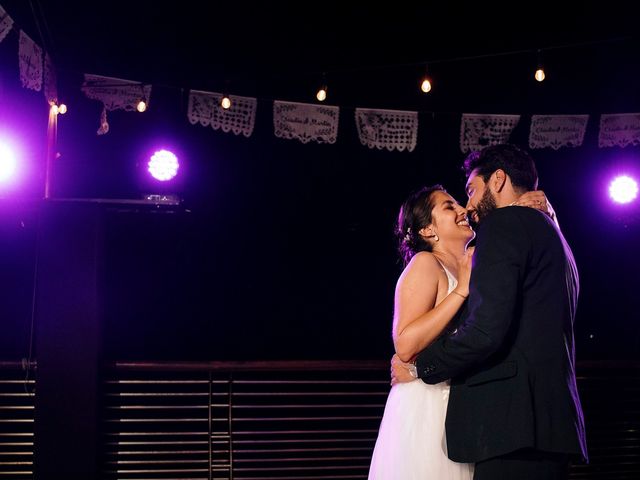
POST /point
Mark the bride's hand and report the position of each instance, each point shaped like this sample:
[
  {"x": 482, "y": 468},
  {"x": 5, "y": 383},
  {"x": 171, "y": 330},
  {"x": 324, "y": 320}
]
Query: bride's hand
[
  {"x": 401, "y": 371},
  {"x": 537, "y": 199},
  {"x": 464, "y": 272}
]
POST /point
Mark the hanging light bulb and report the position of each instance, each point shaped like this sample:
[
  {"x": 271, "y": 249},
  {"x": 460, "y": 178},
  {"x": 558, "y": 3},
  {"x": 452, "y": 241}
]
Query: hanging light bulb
[
  {"x": 539, "y": 75},
  {"x": 425, "y": 86},
  {"x": 141, "y": 106},
  {"x": 56, "y": 108},
  {"x": 322, "y": 93},
  {"x": 425, "y": 83},
  {"x": 225, "y": 102}
]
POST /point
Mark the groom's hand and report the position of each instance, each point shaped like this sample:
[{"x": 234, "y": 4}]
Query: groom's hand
[{"x": 402, "y": 372}]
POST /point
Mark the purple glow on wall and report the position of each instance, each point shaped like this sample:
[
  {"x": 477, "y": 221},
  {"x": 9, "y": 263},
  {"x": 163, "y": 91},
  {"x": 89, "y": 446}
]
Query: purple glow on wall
[
  {"x": 163, "y": 165},
  {"x": 623, "y": 189}
]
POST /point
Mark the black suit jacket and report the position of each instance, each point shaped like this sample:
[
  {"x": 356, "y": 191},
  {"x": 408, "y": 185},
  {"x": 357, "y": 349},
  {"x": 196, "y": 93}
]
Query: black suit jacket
[{"x": 512, "y": 360}]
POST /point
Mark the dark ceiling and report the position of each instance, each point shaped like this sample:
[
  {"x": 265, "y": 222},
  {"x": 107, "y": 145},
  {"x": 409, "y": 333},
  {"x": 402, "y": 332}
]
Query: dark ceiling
[{"x": 372, "y": 55}]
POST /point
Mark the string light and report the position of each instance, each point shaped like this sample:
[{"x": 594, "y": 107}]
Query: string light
[
  {"x": 321, "y": 94},
  {"x": 539, "y": 75},
  {"x": 225, "y": 102},
  {"x": 58, "y": 108},
  {"x": 141, "y": 106},
  {"x": 425, "y": 83}
]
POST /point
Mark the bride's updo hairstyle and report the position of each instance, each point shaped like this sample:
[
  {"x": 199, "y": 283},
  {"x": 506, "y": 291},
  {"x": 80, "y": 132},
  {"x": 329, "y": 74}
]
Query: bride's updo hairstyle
[{"x": 415, "y": 214}]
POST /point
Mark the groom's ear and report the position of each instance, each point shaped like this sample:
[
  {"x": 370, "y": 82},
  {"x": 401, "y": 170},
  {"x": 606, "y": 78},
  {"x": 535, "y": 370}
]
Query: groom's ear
[{"x": 498, "y": 180}]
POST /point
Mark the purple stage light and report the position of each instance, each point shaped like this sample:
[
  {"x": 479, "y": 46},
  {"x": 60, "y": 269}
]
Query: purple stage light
[
  {"x": 7, "y": 163},
  {"x": 623, "y": 189},
  {"x": 163, "y": 165}
]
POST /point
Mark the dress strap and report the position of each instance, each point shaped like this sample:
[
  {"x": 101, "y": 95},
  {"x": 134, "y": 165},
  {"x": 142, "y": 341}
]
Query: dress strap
[{"x": 453, "y": 281}]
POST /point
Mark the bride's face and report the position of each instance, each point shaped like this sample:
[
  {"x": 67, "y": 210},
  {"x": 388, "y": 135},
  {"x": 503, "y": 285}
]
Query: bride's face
[{"x": 449, "y": 219}]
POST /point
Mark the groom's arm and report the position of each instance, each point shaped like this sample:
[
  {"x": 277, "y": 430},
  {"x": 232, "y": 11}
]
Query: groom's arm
[{"x": 493, "y": 293}]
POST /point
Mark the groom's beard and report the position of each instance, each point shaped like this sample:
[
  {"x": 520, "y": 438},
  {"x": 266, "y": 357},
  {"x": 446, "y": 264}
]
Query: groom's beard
[{"x": 485, "y": 206}]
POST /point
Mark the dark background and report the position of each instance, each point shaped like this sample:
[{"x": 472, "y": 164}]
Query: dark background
[{"x": 285, "y": 250}]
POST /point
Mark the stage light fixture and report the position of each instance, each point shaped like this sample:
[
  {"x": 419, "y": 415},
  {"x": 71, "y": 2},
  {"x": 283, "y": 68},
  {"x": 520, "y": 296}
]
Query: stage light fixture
[
  {"x": 623, "y": 189},
  {"x": 163, "y": 165},
  {"x": 8, "y": 162}
]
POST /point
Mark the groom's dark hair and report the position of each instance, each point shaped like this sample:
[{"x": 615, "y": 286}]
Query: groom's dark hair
[{"x": 515, "y": 161}]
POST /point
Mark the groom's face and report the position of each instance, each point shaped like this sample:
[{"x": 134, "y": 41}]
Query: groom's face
[{"x": 481, "y": 200}]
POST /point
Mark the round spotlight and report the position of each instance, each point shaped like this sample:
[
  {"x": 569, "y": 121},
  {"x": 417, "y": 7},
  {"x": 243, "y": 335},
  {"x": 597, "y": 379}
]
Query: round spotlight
[
  {"x": 623, "y": 189},
  {"x": 7, "y": 163},
  {"x": 163, "y": 165}
]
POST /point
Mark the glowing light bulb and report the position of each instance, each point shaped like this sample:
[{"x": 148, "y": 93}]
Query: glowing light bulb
[
  {"x": 539, "y": 75},
  {"x": 225, "y": 102},
  {"x": 54, "y": 109},
  {"x": 62, "y": 109},
  {"x": 322, "y": 94},
  {"x": 426, "y": 85},
  {"x": 141, "y": 106}
]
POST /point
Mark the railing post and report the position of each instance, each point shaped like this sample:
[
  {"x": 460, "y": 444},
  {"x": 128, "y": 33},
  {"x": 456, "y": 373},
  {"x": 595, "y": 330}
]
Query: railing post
[{"x": 230, "y": 427}]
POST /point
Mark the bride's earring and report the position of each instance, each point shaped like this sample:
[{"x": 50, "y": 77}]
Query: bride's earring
[{"x": 435, "y": 237}]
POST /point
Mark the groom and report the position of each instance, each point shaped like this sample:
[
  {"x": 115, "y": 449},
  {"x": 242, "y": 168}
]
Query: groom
[{"x": 514, "y": 408}]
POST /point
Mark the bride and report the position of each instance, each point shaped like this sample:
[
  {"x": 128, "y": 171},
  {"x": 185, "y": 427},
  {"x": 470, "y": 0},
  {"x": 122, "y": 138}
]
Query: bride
[{"x": 434, "y": 232}]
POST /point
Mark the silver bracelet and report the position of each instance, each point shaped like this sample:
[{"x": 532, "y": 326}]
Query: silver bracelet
[{"x": 413, "y": 371}]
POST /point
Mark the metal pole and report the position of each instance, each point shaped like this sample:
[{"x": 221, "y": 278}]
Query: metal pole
[{"x": 52, "y": 137}]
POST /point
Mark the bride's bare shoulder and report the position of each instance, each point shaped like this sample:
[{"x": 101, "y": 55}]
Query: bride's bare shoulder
[{"x": 422, "y": 264}]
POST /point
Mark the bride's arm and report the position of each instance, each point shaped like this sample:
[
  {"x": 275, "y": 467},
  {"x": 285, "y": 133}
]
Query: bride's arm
[
  {"x": 537, "y": 199},
  {"x": 417, "y": 320}
]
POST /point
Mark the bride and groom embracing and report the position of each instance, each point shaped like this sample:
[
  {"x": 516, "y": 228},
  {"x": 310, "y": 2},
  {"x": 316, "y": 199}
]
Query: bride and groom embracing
[{"x": 484, "y": 383}]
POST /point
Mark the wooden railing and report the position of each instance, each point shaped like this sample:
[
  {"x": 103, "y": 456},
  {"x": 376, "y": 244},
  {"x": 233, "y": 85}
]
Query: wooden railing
[
  {"x": 280, "y": 420},
  {"x": 16, "y": 420}
]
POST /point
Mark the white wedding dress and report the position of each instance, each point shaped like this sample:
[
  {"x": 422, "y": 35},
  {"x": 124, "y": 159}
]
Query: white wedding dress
[{"x": 411, "y": 442}]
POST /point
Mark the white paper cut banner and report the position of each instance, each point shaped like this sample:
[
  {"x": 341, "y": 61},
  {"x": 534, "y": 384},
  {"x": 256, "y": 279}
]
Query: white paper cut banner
[
  {"x": 50, "y": 80},
  {"x": 115, "y": 94},
  {"x": 481, "y": 130},
  {"x": 305, "y": 122},
  {"x": 557, "y": 131},
  {"x": 619, "y": 130},
  {"x": 30, "y": 55},
  {"x": 204, "y": 108},
  {"x": 6, "y": 23},
  {"x": 390, "y": 129}
]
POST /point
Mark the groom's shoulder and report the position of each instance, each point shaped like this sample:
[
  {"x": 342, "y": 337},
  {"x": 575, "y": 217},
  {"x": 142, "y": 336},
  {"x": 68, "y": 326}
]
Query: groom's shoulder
[
  {"x": 505, "y": 217},
  {"x": 506, "y": 222},
  {"x": 514, "y": 216}
]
